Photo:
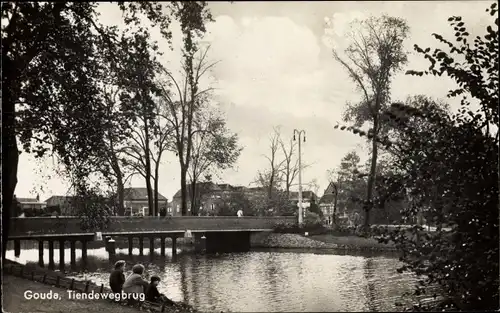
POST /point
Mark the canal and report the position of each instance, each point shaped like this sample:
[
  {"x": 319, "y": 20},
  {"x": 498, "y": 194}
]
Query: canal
[{"x": 264, "y": 281}]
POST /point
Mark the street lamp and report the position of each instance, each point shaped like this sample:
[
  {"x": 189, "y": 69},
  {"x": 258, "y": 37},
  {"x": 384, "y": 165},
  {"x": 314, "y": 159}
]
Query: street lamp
[{"x": 300, "y": 133}]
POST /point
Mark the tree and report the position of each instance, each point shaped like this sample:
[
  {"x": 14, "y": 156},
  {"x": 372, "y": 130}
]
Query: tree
[
  {"x": 271, "y": 178},
  {"x": 290, "y": 164},
  {"x": 121, "y": 61},
  {"x": 375, "y": 54},
  {"x": 140, "y": 101},
  {"x": 50, "y": 83},
  {"x": 450, "y": 166},
  {"x": 214, "y": 148}
]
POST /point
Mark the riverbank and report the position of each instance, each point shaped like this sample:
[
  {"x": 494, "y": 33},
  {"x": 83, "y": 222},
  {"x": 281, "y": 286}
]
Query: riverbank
[
  {"x": 14, "y": 300},
  {"x": 326, "y": 241},
  {"x": 51, "y": 286}
]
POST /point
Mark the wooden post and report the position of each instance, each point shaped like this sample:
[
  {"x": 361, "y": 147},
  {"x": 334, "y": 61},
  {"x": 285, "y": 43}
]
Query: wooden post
[
  {"x": 102, "y": 288},
  {"x": 58, "y": 278},
  {"x": 44, "y": 278},
  {"x": 162, "y": 307},
  {"x": 73, "y": 254},
  {"x": 51, "y": 254},
  {"x": 111, "y": 248},
  {"x": 33, "y": 276},
  {"x": 72, "y": 285},
  {"x": 40, "y": 253},
  {"x": 21, "y": 272},
  {"x": 141, "y": 245},
  {"x": 151, "y": 246},
  {"x": 174, "y": 245},
  {"x": 162, "y": 246},
  {"x": 61, "y": 255},
  {"x": 84, "y": 253},
  {"x": 130, "y": 244},
  {"x": 17, "y": 248}
]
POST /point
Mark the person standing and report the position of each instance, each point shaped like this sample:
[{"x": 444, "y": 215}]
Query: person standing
[
  {"x": 240, "y": 213},
  {"x": 117, "y": 278}
]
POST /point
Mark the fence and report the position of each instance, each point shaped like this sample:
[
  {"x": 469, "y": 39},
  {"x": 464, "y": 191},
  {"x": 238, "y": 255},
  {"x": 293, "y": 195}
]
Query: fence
[{"x": 51, "y": 278}]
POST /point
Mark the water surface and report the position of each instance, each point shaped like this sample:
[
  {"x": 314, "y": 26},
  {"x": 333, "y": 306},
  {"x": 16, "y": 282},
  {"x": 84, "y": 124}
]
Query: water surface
[{"x": 265, "y": 281}]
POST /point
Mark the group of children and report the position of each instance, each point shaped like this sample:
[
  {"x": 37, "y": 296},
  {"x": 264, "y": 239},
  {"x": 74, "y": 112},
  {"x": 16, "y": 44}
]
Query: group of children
[{"x": 135, "y": 284}]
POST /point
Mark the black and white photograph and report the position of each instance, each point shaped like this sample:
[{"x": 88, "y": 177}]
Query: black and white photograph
[{"x": 250, "y": 156}]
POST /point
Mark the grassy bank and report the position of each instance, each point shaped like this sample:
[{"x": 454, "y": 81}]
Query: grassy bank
[
  {"x": 353, "y": 242},
  {"x": 319, "y": 241}
]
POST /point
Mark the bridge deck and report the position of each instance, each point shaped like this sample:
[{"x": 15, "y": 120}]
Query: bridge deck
[
  {"x": 165, "y": 233},
  {"x": 54, "y": 227}
]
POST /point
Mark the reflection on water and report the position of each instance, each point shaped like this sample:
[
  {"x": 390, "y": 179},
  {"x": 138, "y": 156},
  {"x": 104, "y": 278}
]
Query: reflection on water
[{"x": 267, "y": 281}]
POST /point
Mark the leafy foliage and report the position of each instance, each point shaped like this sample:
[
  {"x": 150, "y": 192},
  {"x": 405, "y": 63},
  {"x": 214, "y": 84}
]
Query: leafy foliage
[{"x": 448, "y": 168}]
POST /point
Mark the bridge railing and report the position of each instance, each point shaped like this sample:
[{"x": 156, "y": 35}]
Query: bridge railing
[{"x": 71, "y": 224}]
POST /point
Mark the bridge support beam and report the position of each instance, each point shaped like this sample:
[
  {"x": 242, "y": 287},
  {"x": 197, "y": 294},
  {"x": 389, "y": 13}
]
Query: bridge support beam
[
  {"x": 51, "y": 255},
  {"x": 174, "y": 245},
  {"x": 162, "y": 246},
  {"x": 151, "y": 246},
  {"x": 130, "y": 244},
  {"x": 84, "y": 254},
  {"x": 61, "y": 255},
  {"x": 17, "y": 248},
  {"x": 72, "y": 253},
  {"x": 40, "y": 253},
  {"x": 141, "y": 245}
]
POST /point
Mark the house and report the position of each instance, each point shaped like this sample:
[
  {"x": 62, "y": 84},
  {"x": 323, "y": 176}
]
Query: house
[
  {"x": 64, "y": 203},
  {"x": 210, "y": 194},
  {"x": 327, "y": 203},
  {"x": 307, "y": 196},
  {"x": 136, "y": 201},
  {"x": 31, "y": 204},
  {"x": 216, "y": 197}
]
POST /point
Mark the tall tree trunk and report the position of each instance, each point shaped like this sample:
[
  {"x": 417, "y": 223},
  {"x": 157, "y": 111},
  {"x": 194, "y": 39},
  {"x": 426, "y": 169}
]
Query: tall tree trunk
[
  {"x": 183, "y": 190},
  {"x": 334, "y": 216},
  {"x": 150, "y": 195},
  {"x": 10, "y": 155},
  {"x": 156, "y": 182},
  {"x": 148, "y": 168},
  {"x": 194, "y": 202},
  {"x": 371, "y": 177},
  {"x": 120, "y": 186}
]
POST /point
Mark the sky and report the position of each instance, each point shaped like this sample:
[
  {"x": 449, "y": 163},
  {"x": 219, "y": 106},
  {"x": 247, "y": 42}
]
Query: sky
[{"x": 275, "y": 69}]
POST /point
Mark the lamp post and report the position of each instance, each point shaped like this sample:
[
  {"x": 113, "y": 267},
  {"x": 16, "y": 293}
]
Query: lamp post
[{"x": 300, "y": 133}]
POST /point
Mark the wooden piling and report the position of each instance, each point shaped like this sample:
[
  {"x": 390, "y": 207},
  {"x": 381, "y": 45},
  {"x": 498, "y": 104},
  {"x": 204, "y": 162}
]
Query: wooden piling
[
  {"x": 174, "y": 245},
  {"x": 73, "y": 254},
  {"x": 162, "y": 239},
  {"x": 61, "y": 255},
  {"x": 84, "y": 253},
  {"x": 40, "y": 253},
  {"x": 130, "y": 244},
  {"x": 17, "y": 248},
  {"x": 51, "y": 254},
  {"x": 151, "y": 246},
  {"x": 141, "y": 245}
]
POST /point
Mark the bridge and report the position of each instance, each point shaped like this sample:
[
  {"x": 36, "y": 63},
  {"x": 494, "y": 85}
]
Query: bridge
[{"x": 211, "y": 233}]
